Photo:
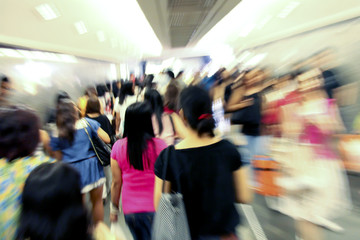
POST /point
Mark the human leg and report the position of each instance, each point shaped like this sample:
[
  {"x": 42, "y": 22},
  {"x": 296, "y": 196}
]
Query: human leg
[{"x": 97, "y": 204}]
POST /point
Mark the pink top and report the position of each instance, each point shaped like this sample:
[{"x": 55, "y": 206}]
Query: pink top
[{"x": 137, "y": 186}]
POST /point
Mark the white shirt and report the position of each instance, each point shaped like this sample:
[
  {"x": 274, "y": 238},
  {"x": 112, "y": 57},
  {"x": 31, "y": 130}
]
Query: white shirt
[{"x": 121, "y": 109}]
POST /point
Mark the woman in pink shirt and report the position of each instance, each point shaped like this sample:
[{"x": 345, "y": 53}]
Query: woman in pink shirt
[{"x": 132, "y": 166}]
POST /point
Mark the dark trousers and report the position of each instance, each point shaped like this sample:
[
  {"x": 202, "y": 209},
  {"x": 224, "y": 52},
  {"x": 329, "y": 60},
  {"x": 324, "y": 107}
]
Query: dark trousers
[{"x": 140, "y": 224}]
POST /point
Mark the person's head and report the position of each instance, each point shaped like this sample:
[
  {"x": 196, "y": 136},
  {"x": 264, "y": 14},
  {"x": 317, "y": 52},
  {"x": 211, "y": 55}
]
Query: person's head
[
  {"x": 52, "y": 205},
  {"x": 197, "y": 110},
  {"x": 93, "y": 106},
  {"x": 127, "y": 89},
  {"x": 101, "y": 90},
  {"x": 5, "y": 87},
  {"x": 138, "y": 130},
  {"x": 90, "y": 91},
  {"x": 170, "y": 74},
  {"x": 66, "y": 116},
  {"x": 157, "y": 105},
  {"x": 19, "y": 132},
  {"x": 149, "y": 80},
  {"x": 172, "y": 97},
  {"x": 180, "y": 74},
  {"x": 61, "y": 95}
]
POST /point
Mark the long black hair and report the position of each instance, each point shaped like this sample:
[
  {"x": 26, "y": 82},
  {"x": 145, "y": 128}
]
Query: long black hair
[
  {"x": 66, "y": 116},
  {"x": 126, "y": 90},
  {"x": 139, "y": 131},
  {"x": 52, "y": 205},
  {"x": 197, "y": 107},
  {"x": 157, "y": 105}
]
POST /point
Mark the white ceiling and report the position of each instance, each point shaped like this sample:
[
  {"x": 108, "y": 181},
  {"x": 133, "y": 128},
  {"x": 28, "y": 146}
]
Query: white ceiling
[
  {"x": 178, "y": 25},
  {"x": 255, "y": 22}
]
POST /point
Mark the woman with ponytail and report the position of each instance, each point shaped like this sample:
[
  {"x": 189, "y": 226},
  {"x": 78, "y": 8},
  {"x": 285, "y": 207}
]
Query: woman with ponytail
[
  {"x": 162, "y": 122},
  {"x": 207, "y": 169}
]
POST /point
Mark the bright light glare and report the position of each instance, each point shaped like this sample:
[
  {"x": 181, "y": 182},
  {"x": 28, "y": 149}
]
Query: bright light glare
[
  {"x": 240, "y": 21},
  {"x": 10, "y": 53},
  {"x": 288, "y": 9},
  {"x": 254, "y": 61},
  {"x": 47, "y": 11},
  {"x": 128, "y": 18},
  {"x": 80, "y": 27}
]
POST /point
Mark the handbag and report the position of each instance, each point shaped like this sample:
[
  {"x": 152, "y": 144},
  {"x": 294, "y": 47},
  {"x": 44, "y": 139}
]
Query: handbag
[
  {"x": 170, "y": 221},
  {"x": 101, "y": 149}
]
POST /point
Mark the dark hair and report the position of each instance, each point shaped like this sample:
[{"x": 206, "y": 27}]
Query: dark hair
[
  {"x": 101, "y": 89},
  {"x": 4, "y": 79},
  {"x": 52, "y": 206},
  {"x": 66, "y": 116},
  {"x": 139, "y": 131},
  {"x": 172, "y": 97},
  {"x": 157, "y": 105},
  {"x": 179, "y": 73},
  {"x": 93, "y": 105},
  {"x": 19, "y": 132},
  {"x": 61, "y": 95},
  {"x": 90, "y": 91},
  {"x": 126, "y": 90},
  {"x": 149, "y": 80},
  {"x": 170, "y": 74},
  {"x": 195, "y": 102}
]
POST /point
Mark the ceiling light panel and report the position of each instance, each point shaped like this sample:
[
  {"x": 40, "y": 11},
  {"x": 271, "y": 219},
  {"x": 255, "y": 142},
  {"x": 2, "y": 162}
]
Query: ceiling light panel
[
  {"x": 48, "y": 11},
  {"x": 101, "y": 36},
  {"x": 80, "y": 27},
  {"x": 288, "y": 9}
]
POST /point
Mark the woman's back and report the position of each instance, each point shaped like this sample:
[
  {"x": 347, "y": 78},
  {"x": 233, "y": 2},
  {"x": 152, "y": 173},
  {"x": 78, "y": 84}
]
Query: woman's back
[
  {"x": 138, "y": 185},
  {"x": 80, "y": 148},
  {"x": 205, "y": 178},
  {"x": 168, "y": 131}
]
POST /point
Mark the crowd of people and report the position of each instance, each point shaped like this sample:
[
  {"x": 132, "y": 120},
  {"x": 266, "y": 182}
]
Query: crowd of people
[{"x": 165, "y": 122}]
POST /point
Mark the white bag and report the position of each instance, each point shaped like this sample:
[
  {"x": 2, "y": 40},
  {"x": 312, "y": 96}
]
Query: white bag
[{"x": 116, "y": 229}]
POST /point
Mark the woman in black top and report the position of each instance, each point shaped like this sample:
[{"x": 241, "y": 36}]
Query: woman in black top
[
  {"x": 93, "y": 112},
  {"x": 208, "y": 170}
]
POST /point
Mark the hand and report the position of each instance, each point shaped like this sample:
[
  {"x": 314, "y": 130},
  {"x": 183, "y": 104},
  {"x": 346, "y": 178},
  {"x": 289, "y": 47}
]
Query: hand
[{"x": 113, "y": 217}]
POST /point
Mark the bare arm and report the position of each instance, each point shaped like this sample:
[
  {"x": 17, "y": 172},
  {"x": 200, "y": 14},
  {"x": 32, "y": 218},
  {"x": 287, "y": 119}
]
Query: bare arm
[
  {"x": 103, "y": 135},
  {"x": 158, "y": 190},
  {"x": 238, "y": 106},
  {"x": 56, "y": 154},
  {"x": 116, "y": 186},
  {"x": 117, "y": 122},
  {"x": 243, "y": 193},
  {"x": 45, "y": 139}
]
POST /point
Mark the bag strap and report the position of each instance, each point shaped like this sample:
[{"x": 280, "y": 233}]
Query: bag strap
[
  {"x": 92, "y": 144},
  {"x": 165, "y": 167}
]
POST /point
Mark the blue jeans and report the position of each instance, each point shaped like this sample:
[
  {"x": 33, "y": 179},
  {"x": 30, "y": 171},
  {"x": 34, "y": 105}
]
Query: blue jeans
[{"x": 140, "y": 224}]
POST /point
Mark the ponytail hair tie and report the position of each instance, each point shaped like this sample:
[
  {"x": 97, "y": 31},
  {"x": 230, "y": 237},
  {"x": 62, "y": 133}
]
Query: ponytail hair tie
[{"x": 205, "y": 116}]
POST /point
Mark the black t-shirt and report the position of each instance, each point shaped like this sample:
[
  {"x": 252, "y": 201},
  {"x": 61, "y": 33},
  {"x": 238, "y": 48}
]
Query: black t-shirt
[
  {"x": 104, "y": 124},
  {"x": 205, "y": 178},
  {"x": 253, "y": 119}
]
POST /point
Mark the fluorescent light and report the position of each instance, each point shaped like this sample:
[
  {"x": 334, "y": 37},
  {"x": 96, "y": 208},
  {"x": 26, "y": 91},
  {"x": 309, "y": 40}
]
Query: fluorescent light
[
  {"x": 11, "y": 53},
  {"x": 80, "y": 27},
  {"x": 101, "y": 36},
  {"x": 48, "y": 11},
  {"x": 288, "y": 9}
]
